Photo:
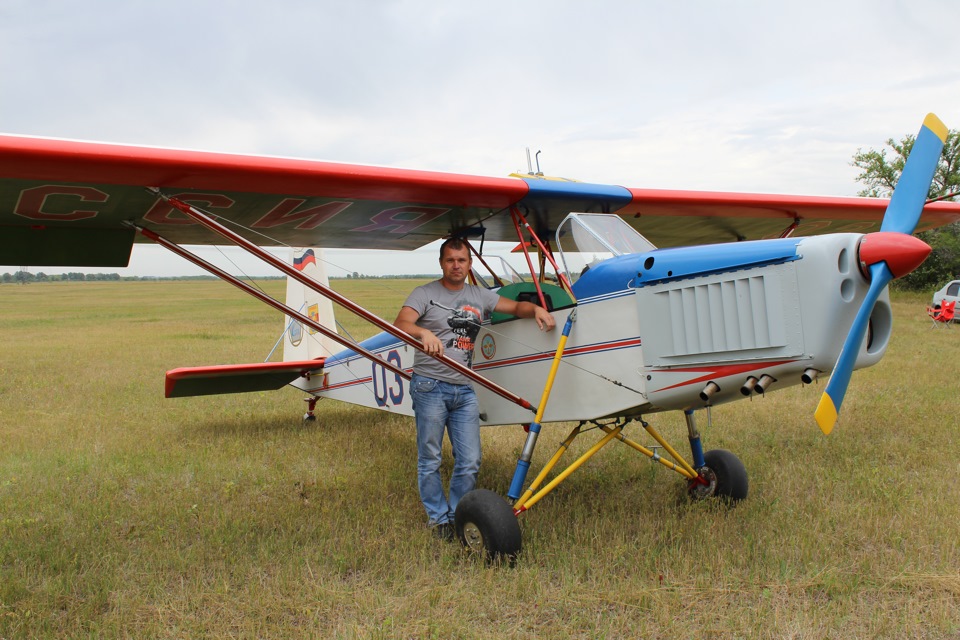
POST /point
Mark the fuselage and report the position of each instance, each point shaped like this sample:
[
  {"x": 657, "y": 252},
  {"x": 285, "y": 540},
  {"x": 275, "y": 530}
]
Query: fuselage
[{"x": 662, "y": 330}]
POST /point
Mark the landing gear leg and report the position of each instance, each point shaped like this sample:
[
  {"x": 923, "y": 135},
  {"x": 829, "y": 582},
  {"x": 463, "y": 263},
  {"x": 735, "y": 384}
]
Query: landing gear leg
[
  {"x": 696, "y": 449},
  {"x": 720, "y": 473}
]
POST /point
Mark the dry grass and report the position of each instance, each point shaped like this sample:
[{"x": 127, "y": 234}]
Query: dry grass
[{"x": 126, "y": 515}]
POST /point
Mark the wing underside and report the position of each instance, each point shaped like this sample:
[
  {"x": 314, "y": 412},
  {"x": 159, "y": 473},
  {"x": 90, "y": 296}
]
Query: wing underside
[{"x": 64, "y": 203}]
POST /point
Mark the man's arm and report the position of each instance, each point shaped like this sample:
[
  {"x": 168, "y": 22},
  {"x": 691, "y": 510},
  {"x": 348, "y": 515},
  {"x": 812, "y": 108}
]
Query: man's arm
[
  {"x": 526, "y": 310},
  {"x": 407, "y": 321}
]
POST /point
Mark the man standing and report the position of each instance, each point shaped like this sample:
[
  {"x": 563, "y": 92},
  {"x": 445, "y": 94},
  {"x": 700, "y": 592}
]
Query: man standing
[{"x": 445, "y": 315}]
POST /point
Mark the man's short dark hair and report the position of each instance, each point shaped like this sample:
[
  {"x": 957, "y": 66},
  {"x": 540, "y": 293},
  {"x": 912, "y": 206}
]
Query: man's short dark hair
[{"x": 454, "y": 243}]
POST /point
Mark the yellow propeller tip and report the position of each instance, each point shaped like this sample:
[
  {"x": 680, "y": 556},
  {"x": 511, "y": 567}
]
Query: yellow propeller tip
[
  {"x": 826, "y": 414},
  {"x": 936, "y": 125}
]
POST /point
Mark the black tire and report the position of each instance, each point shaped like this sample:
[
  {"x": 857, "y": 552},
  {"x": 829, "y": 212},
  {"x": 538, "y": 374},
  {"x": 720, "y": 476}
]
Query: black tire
[
  {"x": 726, "y": 477},
  {"x": 485, "y": 524}
]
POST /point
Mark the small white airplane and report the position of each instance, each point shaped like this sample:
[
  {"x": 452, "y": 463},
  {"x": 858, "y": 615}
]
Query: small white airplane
[{"x": 645, "y": 329}]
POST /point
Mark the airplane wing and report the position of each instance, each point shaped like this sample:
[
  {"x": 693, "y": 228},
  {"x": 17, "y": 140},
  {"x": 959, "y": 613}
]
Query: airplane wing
[{"x": 64, "y": 203}]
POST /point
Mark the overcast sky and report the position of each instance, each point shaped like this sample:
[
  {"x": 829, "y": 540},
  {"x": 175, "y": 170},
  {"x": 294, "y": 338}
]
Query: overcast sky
[{"x": 732, "y": 96}]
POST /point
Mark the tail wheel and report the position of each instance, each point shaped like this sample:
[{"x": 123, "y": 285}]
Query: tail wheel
[
  {"x": 485, "y": 524},
  {"x": 722, "y": 476}
]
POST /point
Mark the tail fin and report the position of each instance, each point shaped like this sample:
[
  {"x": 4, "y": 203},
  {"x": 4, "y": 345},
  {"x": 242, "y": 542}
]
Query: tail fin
[{"x": 303, "y": 343}]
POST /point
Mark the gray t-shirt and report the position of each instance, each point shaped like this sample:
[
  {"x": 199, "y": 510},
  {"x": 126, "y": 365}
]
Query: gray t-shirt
[{"x": 456, "y": 329}]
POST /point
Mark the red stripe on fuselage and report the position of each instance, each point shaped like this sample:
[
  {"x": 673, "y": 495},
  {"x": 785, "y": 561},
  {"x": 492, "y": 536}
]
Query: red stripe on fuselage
[
  {"x": 548, "y": 355},
  {"x": 720, "y": 372}
]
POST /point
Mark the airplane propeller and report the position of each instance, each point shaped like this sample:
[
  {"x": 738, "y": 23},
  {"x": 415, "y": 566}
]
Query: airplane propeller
[{"x": 890, "y": 253}]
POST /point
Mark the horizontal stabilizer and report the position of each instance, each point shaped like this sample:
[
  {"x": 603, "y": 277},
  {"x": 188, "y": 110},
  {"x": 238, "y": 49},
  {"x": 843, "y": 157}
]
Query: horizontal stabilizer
[{"x": 236, "y": 378}]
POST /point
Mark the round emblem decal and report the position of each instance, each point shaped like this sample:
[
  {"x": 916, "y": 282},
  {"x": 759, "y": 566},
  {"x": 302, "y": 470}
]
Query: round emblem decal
[
  {"x": 488, "y": 346},
  {"x": 295, "y": 333}
]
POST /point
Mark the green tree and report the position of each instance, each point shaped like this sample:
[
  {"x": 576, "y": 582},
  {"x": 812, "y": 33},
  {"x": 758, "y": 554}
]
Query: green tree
[{"x": 880, "y": 174}]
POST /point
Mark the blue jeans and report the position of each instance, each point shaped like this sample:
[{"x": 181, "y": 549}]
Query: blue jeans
[{"x": 438, "y": 405}]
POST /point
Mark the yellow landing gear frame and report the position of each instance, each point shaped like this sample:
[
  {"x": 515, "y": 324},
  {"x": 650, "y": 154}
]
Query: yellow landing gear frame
[{"x": 613, "y": 432}]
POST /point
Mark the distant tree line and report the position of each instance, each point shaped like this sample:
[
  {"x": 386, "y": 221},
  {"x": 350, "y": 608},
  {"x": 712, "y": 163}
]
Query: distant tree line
[
  {"x": 392, "y": 276},
  {"x": 24, "y": 277}
]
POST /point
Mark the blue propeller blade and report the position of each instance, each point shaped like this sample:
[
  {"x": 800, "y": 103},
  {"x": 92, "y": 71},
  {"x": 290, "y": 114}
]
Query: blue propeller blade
[
  {"x": 902, "y": 215},
  {"x": 832, "y": 398},
  {"x": 906, "y": 204}
]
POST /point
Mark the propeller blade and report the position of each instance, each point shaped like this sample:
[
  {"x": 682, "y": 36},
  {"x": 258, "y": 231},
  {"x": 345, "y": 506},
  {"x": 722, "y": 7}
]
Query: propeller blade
[
  {"x": 906, "y": 204},
  {"x": 901, "y": 216},
  {"x": 832, "y": 398}
]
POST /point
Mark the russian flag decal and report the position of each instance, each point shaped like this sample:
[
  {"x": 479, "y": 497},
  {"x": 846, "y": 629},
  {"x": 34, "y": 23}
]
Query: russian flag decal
[{"x": 300, "y": 263}]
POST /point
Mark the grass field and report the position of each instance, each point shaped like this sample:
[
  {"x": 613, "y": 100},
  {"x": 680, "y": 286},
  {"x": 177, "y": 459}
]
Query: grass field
[{"x": 126, "y": 515}]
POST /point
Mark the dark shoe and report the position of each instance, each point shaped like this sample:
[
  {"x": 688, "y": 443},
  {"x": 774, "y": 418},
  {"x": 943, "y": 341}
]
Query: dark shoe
[{"x": 445, "y": 531}]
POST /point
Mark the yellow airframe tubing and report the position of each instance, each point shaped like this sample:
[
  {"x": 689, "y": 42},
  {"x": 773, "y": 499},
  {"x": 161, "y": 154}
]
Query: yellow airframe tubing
[
  {"x": 566, "y": 472},
  {"x": 553, "y": 369},
  {"x": 679, "y": 468},
  {"x": 534, "y": 429},
  {"x": 676, "y": 456},
  {"x": 547, "y": 468},
  {"x": 529, "y": 499}
]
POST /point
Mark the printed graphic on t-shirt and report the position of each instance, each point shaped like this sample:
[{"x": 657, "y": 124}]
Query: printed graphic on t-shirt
[{"x": 465, "y": 324}]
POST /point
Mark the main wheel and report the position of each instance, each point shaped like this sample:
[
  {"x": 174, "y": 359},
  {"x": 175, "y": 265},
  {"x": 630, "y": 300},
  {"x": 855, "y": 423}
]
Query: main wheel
[
  {"x": 485, "y": 524},
  {"x": 725, "y": 476}
]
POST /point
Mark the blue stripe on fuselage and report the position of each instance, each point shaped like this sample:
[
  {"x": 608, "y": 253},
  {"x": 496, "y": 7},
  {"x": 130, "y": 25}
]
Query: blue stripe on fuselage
[{"x": 663, "y": 265}]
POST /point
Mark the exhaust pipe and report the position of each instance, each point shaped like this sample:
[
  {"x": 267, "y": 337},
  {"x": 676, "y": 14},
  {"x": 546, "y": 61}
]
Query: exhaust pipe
[
  {"x": 763, "y": 385},
  {"x": 809, "y": 375},
  {"x": 748, "y": 386},
  {"x": 709, "y": 391}
]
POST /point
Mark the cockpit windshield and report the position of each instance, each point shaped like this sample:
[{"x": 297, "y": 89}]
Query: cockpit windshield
[{"x": 585, "y": 239}]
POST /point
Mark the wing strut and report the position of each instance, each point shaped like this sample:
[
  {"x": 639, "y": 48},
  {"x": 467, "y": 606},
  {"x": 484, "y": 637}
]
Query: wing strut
[
  {"x": 261, "y": 296},
  {"x": 213, "y": 225}
]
